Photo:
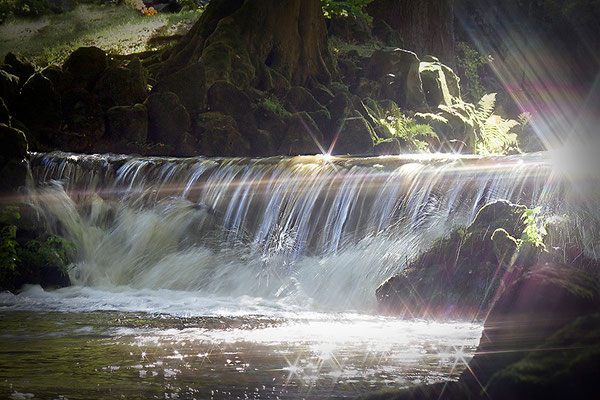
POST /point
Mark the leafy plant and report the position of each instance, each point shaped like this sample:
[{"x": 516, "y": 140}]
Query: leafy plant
[
  {"x": 468, "y": 62},
  {"x": 273, "y": 103},
  {"x": 345, "y": 8},
  {"x": 535, "y": 229},
  {"x": 489, "y": 133}
]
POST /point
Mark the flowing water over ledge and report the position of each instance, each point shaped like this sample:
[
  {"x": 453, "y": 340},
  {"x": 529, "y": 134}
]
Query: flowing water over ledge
[{"x": 245, "y": 278}]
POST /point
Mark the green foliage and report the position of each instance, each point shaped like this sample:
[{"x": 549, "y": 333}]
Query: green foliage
[
  {"x": 468, "y": 62},
  {"x": 29, "y": 262},
  {"x": 345, "y": 8},
  {"x": 54, "y": 252},
  {"x": 490, "y": 133},
  {"x": 273, "y": 103},
  {"x": 535, "y": 229},
  {"x": 9, "y": 215},
  {"x": 415, "y": 135}
]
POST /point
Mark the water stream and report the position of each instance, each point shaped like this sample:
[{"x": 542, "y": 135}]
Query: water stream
[{"x": 245, "y": 278}]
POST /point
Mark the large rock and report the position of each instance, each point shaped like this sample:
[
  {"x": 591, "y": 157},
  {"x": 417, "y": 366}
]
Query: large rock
[
  {"x": 353, "y": 135},
  {"x": 9, "y": 88},
  {"x": 122, "y": 85},
  {"x": 4, "y": 113},
  {"x": 189, "y": 84},
  {"x": 440, "y": 84},
  {"x": 530, "y": 310},
  {"x": 228, "y": 99},
  {"x": 564, "y": 366},
  {"x": 19, "y": 66},
  {"x": 168, "y": 120},
  {"x": 82, "y": 115},
  {"x": 219, "y": 135},
  {"x": 128, "y": 123},
  {"x": 302, "y": 136},
  {"x": 397, "y": 71},
  {"x": 300, "y": 99},
  {"x": 40, "y": 105},
  {"x": 13, "y": 168},
  {"x": 85, "y": 65},
  {"x": 459, "y": 276}
]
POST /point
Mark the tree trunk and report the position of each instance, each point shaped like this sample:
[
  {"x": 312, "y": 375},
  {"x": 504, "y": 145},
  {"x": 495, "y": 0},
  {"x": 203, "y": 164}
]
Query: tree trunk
[
  {"x": 427, "y": 26},
  {"x": 257, "y": 43}
]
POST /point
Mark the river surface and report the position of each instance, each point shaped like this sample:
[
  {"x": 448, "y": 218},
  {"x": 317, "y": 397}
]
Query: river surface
[{"x": 81, "y": 343}]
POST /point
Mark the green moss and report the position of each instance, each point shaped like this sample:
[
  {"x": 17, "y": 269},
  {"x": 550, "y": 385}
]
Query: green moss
[{"x": 42, "y": 261}]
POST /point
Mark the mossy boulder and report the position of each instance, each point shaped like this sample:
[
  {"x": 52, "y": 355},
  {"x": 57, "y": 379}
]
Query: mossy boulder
[
  {"x": 341, "y": 106},
  {"x": 459, "y": 275},
  {"x": 40, "y": 105},
  {"x": 219, "y": 135},
  {"x": 321, "y": 93},
  {"x": 9, "y": 88},
  {"x": 300, "y": 99},
  {"x": 397, "y": 71},
  {"x": 86, "y": 64},
  {"x": 564, "y": 366},
  {"x": 82, "y": 117},
  {"x": 532, "y": 308},
  {"x": 168, "y": 120},
  {"x": 354, "y": 135},
  {"x": 121, "y": 85},
  {"x": 13, "y": 168},
  {"x": 189, "y": 84},
  {"x": 4, "y": 113},
  {"x": 14, "y": 143},
  {"x": 128, "y": 123},
  {"x": 226, "y": 98},
  {"x": 388, "y": 35},
  {"x": 19, "y": 66},
  {"x": 301, "y": 136},
  {"x": 437, "y": 87}
]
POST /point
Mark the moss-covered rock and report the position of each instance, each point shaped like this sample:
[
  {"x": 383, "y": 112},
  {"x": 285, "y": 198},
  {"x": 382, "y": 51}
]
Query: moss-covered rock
[
  {"x": 397, "y": 71},
  {"x": 219, "y": 135},
  {"x": 354, "y": 135},
  {"x": 226, "y": 98},
  {"x": 300, "y": 99},
  {"x": 4, "y": 113},
  {"x": 82, "y": 116},
  {"x": 121, "y": 85},
  {"x": 40, "y": 106},
  {"x": 19, "y": 66},
  {"x": 86, "y": 64},
  {"x": 351, "y": 29},
  {"x": 128, "y": 123},
  {"x": 531, "y": 309},
  {"x": 460, "y": 275},
  {"x": 437, "y": 87},
  {"x": 9, "y": 88},
  {"x": 189, "y": 84},
  {"x": 564, "y": 366},
  {"x": 388, "y": 35},
  {"x": 302, "y": 136},
  {"x": 341, "y": 106},
  {"x": 14, "y": 143},
  {"x": 168, "y": 120}
]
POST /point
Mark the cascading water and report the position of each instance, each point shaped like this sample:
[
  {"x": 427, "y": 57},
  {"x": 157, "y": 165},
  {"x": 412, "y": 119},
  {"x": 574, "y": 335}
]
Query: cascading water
[
  {"x": 284, "y": 254},
  {"x": 324, "y": 231}
]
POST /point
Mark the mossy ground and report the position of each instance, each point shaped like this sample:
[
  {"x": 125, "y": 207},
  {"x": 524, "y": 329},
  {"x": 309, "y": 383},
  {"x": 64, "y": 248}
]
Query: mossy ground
[{"x": 114, "y": 28}]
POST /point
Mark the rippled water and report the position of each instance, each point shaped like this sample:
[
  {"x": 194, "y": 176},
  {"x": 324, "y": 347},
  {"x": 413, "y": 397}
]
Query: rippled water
[{"x": 52, "y": 344}]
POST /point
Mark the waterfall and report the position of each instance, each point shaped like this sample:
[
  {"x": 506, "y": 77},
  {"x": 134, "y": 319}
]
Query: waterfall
[{"x": 310, "y": 230}]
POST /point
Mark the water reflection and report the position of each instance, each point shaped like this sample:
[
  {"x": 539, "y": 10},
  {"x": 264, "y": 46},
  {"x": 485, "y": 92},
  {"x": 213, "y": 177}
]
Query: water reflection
[{"x": 109, "y": 354}]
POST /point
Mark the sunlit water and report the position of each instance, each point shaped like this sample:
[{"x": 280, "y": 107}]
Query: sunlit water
[
  {"x": 236, "y": 278},
  {"x": 68, "y": 343}
]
